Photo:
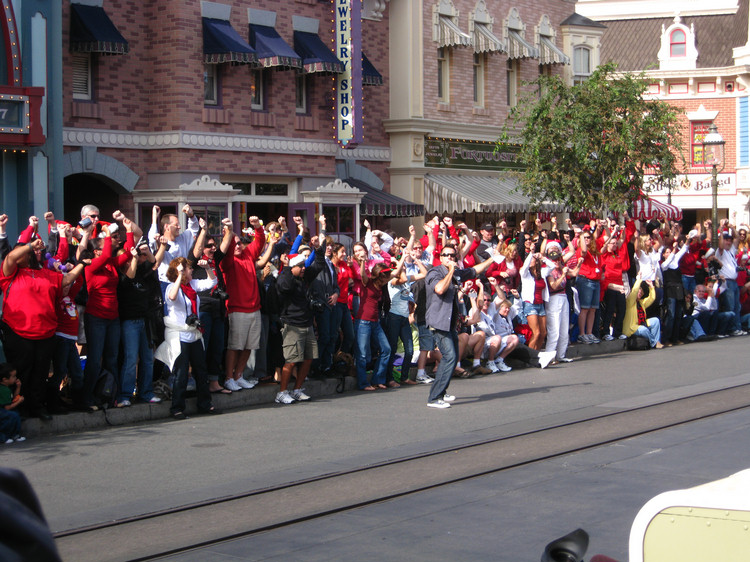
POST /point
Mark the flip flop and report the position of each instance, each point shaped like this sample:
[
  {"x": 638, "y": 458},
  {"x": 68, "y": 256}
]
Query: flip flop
[
  {"x": 368, "y": 388},
  {"x": 221, "y": 391}
]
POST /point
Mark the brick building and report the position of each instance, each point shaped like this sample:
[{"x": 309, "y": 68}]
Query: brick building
[
  {"x": 230, "y": 106},
  {"x": 697, "y": 58}
]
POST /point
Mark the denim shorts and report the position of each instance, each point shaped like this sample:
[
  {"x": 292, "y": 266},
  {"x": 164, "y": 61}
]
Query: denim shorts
[
  {"x": 533, "y": 309},
  {"x": 588, "y": 292},
  {"x": 426, "y": 338}
]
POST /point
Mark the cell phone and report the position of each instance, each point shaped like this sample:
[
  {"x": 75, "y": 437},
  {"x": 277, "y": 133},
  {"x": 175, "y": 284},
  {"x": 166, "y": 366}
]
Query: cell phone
[{"x": 85, "y": 223}]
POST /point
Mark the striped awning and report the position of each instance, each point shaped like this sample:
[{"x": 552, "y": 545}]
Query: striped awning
[
  {"x": 485, "y": 41},
  {"x": 646, "y": 209},
  {"x": 549, "y": 53},
  {"x": 450, "y": 35},
  {"x": 518, "y": 48},
  {"x": 379, "y": 203},
  {"x": 483, "y": 194}
]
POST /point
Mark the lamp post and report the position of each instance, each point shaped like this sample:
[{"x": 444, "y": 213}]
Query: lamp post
[{"x": 713, "y": 155}]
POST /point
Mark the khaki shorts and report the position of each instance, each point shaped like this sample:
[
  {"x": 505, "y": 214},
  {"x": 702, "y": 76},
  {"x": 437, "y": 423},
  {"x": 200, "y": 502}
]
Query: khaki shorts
[
  {"x": 244, "y": 330},
  {"x": 299, "y": 343}
]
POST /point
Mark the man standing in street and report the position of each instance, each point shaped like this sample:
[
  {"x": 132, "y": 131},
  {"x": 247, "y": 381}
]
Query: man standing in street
[{"x": 442, "y": 283}]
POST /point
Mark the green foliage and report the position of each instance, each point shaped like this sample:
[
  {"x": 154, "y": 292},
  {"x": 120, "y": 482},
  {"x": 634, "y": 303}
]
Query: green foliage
[{"x": 588, "y": 146}]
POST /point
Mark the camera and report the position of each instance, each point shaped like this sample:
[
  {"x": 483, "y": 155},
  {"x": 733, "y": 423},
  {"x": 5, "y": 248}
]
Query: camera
[
  {"x": 714, "y": 267},
  {"x": 317, "y": 306},
  {"x": 194, "y": 322},
  {"x": 220, "y": 294}
]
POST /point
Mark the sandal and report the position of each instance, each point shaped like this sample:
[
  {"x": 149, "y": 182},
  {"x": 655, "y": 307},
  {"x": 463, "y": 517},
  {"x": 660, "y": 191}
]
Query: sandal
[
  {"x": 179, "y": 416},
  {"x": 368, "y": 388},
  {"x": 382, "y": 386},
  {"x": 461, "y": 373},
  {"x": 409, "y": 381},
  {"x": 221, "y": 391},
  {"x": 393, "y": 384}
]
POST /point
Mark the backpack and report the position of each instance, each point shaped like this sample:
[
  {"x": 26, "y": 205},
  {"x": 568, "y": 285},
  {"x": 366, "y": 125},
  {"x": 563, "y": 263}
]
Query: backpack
[
  {"x": 105, "y": 390},
  {"x": 638, "y": 343}
]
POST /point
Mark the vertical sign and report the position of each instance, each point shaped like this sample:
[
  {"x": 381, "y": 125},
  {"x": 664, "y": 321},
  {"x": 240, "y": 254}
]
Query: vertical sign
[{"x": 348, "y": 33}]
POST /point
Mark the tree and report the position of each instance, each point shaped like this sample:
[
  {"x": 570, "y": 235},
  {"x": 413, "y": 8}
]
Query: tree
[{"x": 588, "y": 146}]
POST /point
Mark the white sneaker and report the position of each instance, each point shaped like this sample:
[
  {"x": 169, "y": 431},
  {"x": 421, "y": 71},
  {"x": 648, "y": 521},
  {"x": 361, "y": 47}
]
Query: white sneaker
[
  {"x": 8, "y": 441},
  {"x": 284, "y": 397},
  {"x": 231, "y": 384},
  {"x": 19, "y": 439},
  {"x": 492, "y": 366},
  {"x": 739, "y": 333},
  {"x": 502, "y": 366},
  {"x": 608, "y": 337},
  {"x": 441, "y": 404},
  {"x": 448, "y": 398},
  {"x": 622, "y": 337},
  {"x": 546, "y": 357},
  {"x": 584, "y": 338},
  {"x": 425, "y": 379},
  {"x": 565, "y": 360},
  {"x": 246, "y": 383},
  {"x": 299, "y": 395},
  {"x": 594, "y": 339}
]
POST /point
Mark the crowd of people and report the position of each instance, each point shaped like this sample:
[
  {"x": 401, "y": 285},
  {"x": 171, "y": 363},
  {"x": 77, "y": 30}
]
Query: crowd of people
[{"x": 226, "y": 310}]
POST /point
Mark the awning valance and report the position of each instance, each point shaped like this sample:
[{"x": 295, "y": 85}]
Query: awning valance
[
  {"x": 271, "y": 49},
  {"x": 316, "y": 57},
  {"x": 549, "y": 53},
  {"x": 378, "y": 203},
  {"x": 518, "y": 48},
  {"x": 485, "y": 194},
  {"x": 221, "y": 43},
  {"x": 646, "y": 209},
  {"x": 485, "y": 41},
  {"x": 91, "y": 31},
  {"x": 450, "y": 35},
  {"x": 370, "y": 76}
]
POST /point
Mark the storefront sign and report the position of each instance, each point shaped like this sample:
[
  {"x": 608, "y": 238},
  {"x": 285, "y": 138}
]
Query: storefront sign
[
  {"x": 692, "y": 184},
  {"x": 348, "y": 32},
  {"x": 470, "y": 155}
]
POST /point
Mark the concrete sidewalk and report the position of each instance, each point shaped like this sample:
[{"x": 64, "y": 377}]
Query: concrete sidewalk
[{"x": 262, "y": 394}]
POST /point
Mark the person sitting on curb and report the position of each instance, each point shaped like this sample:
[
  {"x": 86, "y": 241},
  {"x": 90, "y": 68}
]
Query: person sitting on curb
[{"x": 636, "y": 322}]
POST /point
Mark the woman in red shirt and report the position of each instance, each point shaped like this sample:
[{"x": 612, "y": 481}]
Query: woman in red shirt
[
  {"x": 587, "y": 284},
  {"x": 342, "y": 317},
  {"x": 615, "y": 260},
  {"x": 368, "y": 326}
]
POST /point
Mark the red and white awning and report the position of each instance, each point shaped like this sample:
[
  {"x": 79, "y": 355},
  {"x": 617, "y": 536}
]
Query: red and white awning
[{"x": 646, "y": 209}]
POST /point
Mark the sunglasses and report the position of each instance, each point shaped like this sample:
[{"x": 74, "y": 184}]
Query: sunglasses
[
  {"x": 210, "y": 245},
  {"x": 449, "y": 256}
]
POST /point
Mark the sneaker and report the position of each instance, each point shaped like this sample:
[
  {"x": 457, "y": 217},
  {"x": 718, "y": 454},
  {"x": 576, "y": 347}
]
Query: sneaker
[
  {"x": 123, "y": 404},
  {"x": 154, "y": 400},
  {"x": 738, "y": 333},
  {"x": 448, "y": 398},
  {"x": 231, "y": 384},
  {"x": 608, "y": 337},
  {"x": 246, "y": 383},
  {"x": 545, "y": 357},
  {"x": 584, "y": 338},
  {"x": 19, "y": 439},
  {"x": 500, "y": 364},
  {"x": 622, "y": 337},
  {"x": 493, "y": 367},
  {"x": 425, "y": 379},
  {"x": 594, "y": 339},
  {"x": 565, "y": 360},
  {"x": 8, "y": 441},
  {"x": 722, "y": 336},
  {"x": 284, "y": 397},
  {"x": 441, "y": 404},
  {"x": 299, "y": 395}
]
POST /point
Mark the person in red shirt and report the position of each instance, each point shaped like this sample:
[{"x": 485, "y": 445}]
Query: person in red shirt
[
  {"x": 588, "y": 284},
  {"x": 615, "y": 261},
  {"x": 342, "y": 317},
  {"x": 30, "y": 296},
  {"x": 243, "y": 304},
  {"x": 368, "y": 326}
]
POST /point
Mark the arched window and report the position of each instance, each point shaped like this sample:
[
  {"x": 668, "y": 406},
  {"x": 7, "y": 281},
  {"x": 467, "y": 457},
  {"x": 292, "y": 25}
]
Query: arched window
[
  {"x": 581, "y": 64},
  {"x": 677, "y": 43}
]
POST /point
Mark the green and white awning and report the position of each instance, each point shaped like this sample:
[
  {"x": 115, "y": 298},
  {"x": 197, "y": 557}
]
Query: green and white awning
[{"x": 549, "y": 53}]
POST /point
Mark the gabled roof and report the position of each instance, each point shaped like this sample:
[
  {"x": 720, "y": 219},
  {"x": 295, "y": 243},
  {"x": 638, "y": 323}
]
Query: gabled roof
[
  {"x": 581, "y": 21},
  {"x": 634, "y": 43}
]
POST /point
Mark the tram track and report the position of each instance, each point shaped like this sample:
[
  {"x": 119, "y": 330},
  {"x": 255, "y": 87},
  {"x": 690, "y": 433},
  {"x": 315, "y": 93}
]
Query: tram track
[{"x": 153, "y": 535}]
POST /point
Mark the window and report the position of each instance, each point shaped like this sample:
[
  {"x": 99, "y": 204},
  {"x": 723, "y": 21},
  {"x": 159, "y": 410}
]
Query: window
[
  {"x": 479, "y": 59},
  {"x": 339, "y": 219},
  {"x": 256, "y": 89},
  {"x": 698, "y": 131},
  {"x": 301, "y": 93},
  {"x": 82, "y": 76},
  {"x": 677, "y": 43},
  {"x": 211, "y": 84},
  {"x": 443, "y": 75},
  {"x": 581, "y": 64},
  {"x": 512, "y": 75}
]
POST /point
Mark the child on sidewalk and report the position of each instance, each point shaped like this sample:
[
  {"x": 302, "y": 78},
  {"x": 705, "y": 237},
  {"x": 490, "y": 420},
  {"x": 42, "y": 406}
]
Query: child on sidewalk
[{"x": 10, "y": 399}]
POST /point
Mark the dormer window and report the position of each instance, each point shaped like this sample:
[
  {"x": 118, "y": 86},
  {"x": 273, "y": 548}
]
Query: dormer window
[{"x": 677, "y": 43}]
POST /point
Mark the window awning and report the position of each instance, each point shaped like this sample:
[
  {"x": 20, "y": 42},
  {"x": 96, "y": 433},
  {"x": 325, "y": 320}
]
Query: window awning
[
  {"x": 518, "y": 48},
  {"x": 91, "y": 31},
  {"x": 378, "y": 203},
  {"x": 485, "y": 194},
  {"x": 646, "y": 209},
  {"x": 271, "y": 49},
  {"x": 549, "y": 53},
  {"x": 370, "y": 76},
  {"x": 450, "y": 35},
  {"x": 485, "y": 41},
  {"x": 316, "y": 57},
  {"x": 221, "y": 43}
]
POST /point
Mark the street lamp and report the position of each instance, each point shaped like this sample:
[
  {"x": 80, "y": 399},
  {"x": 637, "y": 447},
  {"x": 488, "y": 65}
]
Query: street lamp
[{"x": 713, "y": 155}]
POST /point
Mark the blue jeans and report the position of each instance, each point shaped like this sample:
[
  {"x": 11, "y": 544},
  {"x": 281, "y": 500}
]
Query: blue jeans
[
  {"x": 103, "y": 339},
  {"x": 327, "y": 336},
  {"x": 673, "y": 312},
  {"x": 135, "y": 344},
  {"x": 730, "y": 302},
  {"x": 342, "y": 318},
  {"x": 398, "y": 327},
  {"x": 214, "y": 334},
  {"x": 588, "y": 292},
  {"x": 447, "y": 343},
  {"x": 192, "y": 355},
  {"x": 365, "y": 331},
  {"x": 688, "y": 282},
  {"x": 653, "y": 332},
  {"x": 715, "y": 322},
  {"x": 66, "y": 361}
]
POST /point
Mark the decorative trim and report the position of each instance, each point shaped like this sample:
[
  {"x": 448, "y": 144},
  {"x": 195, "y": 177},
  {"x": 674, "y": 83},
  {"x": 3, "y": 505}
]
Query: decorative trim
[
  {"x": 85, "y": 109},
  {"x": 702, "y": 114},
  {"x": 195, "y": 140}
]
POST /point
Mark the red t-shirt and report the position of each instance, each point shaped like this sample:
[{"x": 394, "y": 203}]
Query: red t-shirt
[
  {"x": 240, "y": 276},
  {"x": 344, "y": 273},
  {"x": 369, "y": 305},
  {"x": 30, "y": 307},
  {"x": 591, "y": 268},
  {"x": 67, "y": 312},
  {"x": 102, "y": 277}
]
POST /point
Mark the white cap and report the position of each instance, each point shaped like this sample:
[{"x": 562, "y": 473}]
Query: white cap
[{"x": 296, "y": 259}]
